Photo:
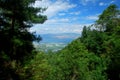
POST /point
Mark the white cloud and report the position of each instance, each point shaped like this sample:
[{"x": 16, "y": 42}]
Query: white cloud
[
  {"x": 92, "y": 17},
  {"x": 57, "y": 20},
  {"x": 112, "y": 2},
  {"x": 53, "y": 29},
  {"x": 54, "y": 8},
  {"x": 85, "y": 2},
  {"x": 62, "y": 14},
  {"x": 59, "y": 24},
  {"x": 58, "y": 7},
  {"x": 104, "y": 4},
  {"x": 64, "y": 20},
  {"x": 101, "y": 4},
  {"x": 42, "y": 3},
  {"x": 75, "y": 18},
  {"x": 75, "y": 13}
]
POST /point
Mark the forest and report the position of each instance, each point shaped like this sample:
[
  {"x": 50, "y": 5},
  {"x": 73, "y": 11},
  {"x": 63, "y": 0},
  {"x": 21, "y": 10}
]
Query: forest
[{"x": 95, "y": 55}]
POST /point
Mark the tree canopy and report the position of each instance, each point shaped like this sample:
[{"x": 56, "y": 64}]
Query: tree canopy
[
  {"x": 95, "y": 55},
  {"x": 16, "y": 17}
]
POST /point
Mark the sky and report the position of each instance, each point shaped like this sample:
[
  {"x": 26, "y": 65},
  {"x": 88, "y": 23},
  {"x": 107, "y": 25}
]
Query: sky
[{"x": 69, "y": 16}]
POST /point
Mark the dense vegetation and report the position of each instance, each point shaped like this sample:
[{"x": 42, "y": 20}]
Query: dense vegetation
[
  {"x": 93, "y": 56},
  {"x": 16, "y": 17}
]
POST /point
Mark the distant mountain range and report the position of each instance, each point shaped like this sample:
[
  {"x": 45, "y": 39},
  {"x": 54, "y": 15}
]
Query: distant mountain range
[
  {"x": 59, "y": 38},
  {"x": 55, "y": 42}
]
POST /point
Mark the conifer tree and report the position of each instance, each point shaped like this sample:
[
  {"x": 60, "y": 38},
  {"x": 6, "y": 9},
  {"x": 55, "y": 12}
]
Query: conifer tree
[{"x": 16, "y": 17}]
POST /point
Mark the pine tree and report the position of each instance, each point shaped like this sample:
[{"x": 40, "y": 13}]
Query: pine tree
[{"x": 16, "y": 17}]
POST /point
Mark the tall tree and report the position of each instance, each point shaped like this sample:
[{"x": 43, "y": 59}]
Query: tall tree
[
  {"x": 109, "y": 24},
  {"x": 105, "y": 18},
  {"x": 16, "y": 17}
]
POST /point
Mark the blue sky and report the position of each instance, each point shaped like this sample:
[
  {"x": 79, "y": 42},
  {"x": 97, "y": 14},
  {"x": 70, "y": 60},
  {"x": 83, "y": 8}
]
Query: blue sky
[{"x": 69, "y": 16}]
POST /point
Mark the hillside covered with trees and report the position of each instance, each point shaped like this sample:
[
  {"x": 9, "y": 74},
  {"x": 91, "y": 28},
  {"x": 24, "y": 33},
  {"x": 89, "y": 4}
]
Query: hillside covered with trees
[{"x": 95, "y": 55}]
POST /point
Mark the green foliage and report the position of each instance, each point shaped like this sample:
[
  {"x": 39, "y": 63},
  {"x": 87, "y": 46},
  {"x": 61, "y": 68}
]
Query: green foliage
[
  {"x": 16, "y": 17},
  {"x": 82, "y": 64},
  {"x": 104, "y": 40},
  {"x": 93, "y": 56},
  {"x": 74, "y": 62},
  {"x": 94, "y": 40},
  {"x": 38, "y": 68},
  {"x": 108, "y": 16},
  {"x": 113, "y": 51}
]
